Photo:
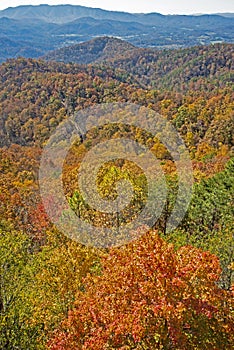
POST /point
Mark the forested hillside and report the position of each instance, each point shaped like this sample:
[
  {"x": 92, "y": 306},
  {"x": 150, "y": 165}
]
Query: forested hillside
[
  {"x": 177, "y": 70},
  {"x": 97, "y": 50},
  {"x": 162, "y": 290}
]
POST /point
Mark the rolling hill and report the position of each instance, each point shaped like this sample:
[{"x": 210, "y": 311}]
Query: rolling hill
[
  {"x": 56, "y": 293},
  {"x": 153, "y": 68},
  {"x": 97, "y": 50}
]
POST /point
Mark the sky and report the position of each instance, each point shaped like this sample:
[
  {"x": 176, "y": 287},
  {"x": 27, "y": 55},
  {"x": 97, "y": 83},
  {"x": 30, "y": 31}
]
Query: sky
[{"x": 161, "y": 6}]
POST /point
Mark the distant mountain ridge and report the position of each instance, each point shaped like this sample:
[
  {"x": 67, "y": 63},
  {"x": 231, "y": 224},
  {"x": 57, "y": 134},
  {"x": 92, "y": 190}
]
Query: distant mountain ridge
[
  {"x": 226, "y": 14},
  {"x": 61, "y": 14},
  {"x": 35, "y": 30}
]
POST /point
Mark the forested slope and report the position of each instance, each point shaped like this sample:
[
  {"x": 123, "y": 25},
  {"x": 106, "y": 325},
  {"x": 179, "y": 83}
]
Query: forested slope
[
  {"x": 170, "y": 291},
  {"x": 196, "y": 68}
]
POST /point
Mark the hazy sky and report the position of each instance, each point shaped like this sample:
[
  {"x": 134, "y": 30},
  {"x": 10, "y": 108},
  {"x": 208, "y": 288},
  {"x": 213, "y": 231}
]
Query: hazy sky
[{"x": 162, "y": 6}]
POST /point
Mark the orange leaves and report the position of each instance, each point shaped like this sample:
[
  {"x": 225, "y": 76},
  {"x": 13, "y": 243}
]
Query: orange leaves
[
  {"x": 147, "y": 288},
  {"x": 145, "y": 295}
]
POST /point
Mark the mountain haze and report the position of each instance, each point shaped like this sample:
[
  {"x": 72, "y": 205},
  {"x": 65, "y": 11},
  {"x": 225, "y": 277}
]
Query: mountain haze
[
  {"x": 61, "y": 14},
  {"x": 32, "y": 31}
]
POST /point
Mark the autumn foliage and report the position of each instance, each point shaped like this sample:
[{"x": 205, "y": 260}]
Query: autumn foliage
[
  {"x": 150, "y": 296},
  {"x": 164, "y": 291}
]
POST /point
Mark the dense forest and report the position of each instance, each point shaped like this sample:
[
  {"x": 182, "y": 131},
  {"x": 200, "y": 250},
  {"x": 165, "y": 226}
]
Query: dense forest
[
  {"x": 162, "y": 290},
  {"x": 178, "y": 70}
]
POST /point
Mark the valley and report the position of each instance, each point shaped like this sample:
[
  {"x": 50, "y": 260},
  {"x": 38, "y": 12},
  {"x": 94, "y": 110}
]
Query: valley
[
  {"x": 137, "y": 253},
  {"x": 31, "y": 31}
]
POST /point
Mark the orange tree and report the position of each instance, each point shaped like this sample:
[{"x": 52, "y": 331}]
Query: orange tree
[{"x": 150, "y": 296}]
